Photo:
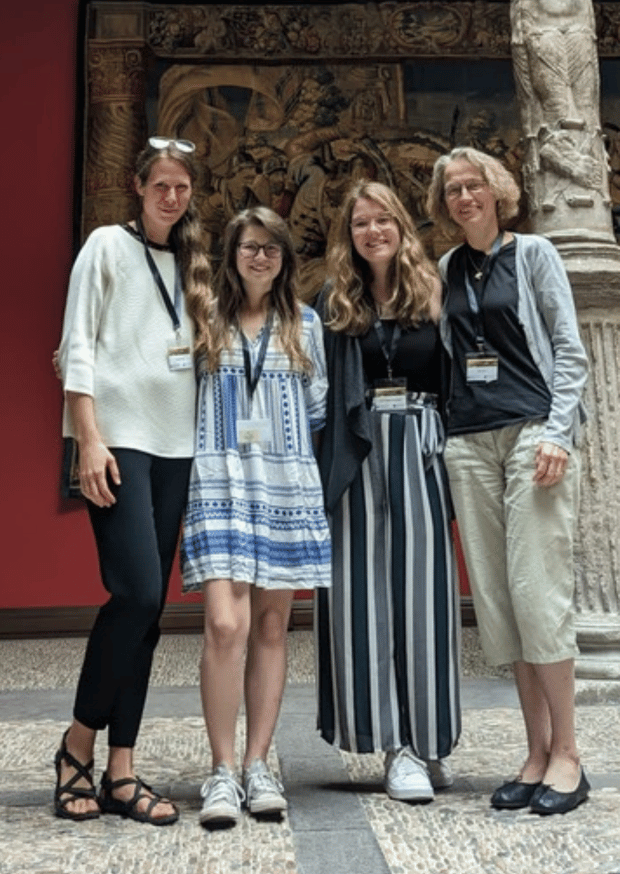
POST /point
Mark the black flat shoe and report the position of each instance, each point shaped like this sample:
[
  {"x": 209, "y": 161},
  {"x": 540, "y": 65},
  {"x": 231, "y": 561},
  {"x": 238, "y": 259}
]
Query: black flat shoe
[
  {"x": 551, "y": 801},
  {"x": 514, "y": 795}
]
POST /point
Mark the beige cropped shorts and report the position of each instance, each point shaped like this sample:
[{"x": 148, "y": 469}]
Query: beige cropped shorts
[{"x": 518, "y": 543}]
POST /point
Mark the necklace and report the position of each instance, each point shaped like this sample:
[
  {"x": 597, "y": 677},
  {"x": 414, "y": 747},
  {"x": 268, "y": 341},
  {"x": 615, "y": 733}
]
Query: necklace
[{"x": 478, "y": 265}]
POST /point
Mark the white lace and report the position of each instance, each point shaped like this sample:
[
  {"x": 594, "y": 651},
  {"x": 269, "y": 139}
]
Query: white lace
[
  {"x": 222, "y": 786},
  {"x": 405, "y": 762},
  {"x": 261, "y": 782}
]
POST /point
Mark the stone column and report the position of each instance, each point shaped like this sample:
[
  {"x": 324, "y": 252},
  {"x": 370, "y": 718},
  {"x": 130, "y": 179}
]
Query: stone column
[
  {"x": 565, "y": 171},
  {"x": 116, "y": 118}
]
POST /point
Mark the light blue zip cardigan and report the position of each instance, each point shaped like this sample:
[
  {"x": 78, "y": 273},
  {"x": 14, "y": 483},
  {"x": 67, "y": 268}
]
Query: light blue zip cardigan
[{"x": 546, "y": 311}]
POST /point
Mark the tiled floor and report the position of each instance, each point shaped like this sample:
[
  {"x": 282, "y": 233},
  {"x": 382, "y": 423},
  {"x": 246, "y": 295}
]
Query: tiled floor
[{"x": 339, "y": 822}]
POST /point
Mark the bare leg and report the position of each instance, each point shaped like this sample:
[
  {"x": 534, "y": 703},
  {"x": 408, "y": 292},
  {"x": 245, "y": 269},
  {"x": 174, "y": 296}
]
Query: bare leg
[
  {"x": 558, "y": 682},
  {"x": 547, "y": 695},
  {"x": 265, "y": 673},
  {"x": 227, "y": 625},
  {"x": 537, "y": 720}
]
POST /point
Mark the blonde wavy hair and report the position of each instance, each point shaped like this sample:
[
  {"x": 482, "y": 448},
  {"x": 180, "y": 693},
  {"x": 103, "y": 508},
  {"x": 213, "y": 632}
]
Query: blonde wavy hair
[
  {"x": 349, "y": 306},
  {"x": 229, "y": 293},
  {"x": 186, "y": 237},
  {"x": 500, "y": 181}
]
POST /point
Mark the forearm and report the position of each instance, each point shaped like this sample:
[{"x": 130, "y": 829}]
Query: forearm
[{"x": 82, "y": 411}]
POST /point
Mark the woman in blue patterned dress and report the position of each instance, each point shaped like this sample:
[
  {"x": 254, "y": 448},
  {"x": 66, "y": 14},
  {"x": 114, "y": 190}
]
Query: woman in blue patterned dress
[{"x": 255, "y": 528}]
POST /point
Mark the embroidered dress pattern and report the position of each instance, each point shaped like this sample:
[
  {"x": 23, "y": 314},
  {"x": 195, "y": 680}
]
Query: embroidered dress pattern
[{"x": 255, "y": 510}]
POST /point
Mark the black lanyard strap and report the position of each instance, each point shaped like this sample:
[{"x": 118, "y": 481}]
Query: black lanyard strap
[
  {"x": 473, "y": 300},
  {"x": 251, "y": 379},
  {"x": 173, "y": 308},
  {"x": 389, "y": 352}
]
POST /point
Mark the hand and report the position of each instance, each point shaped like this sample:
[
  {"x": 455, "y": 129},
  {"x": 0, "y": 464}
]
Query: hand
[
  {"x": 56, "y": 364},
  {"x": 551, "y": 461},
  {"x": 96, "y": 461}
]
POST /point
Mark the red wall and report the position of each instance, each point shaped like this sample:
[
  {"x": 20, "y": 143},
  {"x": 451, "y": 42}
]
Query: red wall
[{"x": 48, "y": 556}]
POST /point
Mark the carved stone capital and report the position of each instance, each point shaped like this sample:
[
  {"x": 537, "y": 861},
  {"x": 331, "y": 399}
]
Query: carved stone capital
[
  {"x": 593, "y": 266},
  {"x": 598, "y": 638}
]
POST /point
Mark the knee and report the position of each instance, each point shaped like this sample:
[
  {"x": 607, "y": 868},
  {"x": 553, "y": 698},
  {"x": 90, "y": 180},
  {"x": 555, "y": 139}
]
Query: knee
[
  {"x": 141, "y": 605},
  {"x": 224, "y": 633},
  {"x": 270, "y": 628}
]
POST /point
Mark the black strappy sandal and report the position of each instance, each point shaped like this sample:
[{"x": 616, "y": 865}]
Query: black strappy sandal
[
  {"x": 64, "y": 794},
  {"x": 109, "y": 804}
]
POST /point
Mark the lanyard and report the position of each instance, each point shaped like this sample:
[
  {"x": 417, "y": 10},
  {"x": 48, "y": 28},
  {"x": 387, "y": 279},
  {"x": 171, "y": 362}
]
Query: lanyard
[
  {"x": 388, "y": 353},
  {"x": 173, "y": 309},
  {"x": 472, "y": 298},
  {"x": 252, "y": 378}
]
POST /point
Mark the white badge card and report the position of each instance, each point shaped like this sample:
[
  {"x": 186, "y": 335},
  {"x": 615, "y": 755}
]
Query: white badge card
[
  {"x": 481, "y": 366},
  {"x": 389, "y": 395},
  {"x": 180, "y": 355},
  {"x": 253, "y": 430}
]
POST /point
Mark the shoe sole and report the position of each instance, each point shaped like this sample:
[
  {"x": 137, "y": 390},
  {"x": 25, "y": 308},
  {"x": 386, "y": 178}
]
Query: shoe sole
[
  {"x": 405, "y": 795},
  {"x": 221, "y": 817},
  {"x": 497, "y": 806},
  {"x": 274, "y": 805}
]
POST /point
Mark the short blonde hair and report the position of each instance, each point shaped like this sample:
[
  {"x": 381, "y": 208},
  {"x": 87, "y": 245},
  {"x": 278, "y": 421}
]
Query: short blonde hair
[{"x": 498, "y": 178}]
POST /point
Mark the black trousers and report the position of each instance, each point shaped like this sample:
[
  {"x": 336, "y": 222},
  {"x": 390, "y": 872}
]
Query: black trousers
[{"x": 136, "y": 541}]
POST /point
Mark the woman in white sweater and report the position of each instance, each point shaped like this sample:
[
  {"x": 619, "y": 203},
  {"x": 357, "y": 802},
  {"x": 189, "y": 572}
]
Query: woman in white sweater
[{"x": 136, "y": 293}]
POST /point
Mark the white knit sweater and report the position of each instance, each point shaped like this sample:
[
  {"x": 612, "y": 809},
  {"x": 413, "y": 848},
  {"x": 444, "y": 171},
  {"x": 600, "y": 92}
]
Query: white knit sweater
[{"x": 114, "y": 346}]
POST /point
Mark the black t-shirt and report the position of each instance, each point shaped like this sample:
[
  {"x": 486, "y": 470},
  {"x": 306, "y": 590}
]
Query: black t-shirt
[
  {"x": 520, "y": 393},
  {"x": 417, "y": 357}
]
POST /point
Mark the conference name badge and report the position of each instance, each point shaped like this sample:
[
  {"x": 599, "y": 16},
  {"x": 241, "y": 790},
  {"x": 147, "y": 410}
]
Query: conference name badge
[
  {"x": 253, "y": 430},
  {"x": 389, "y": 395},
  {"x": 180, "y": 356},
  {"x": 481, "y": 366}
]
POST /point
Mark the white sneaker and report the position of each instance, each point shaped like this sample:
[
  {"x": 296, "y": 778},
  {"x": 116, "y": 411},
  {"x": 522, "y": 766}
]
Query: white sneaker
[
  {"x": 406, "y": 777},
  {"x": 262, "y": 791},
  {"x": 440, "y": 773},
  {"x": 222, "y": 798}
]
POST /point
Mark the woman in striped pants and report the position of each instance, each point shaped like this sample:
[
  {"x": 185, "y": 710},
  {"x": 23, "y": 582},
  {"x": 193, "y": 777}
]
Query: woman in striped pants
[{"x": 387, "y": 632}]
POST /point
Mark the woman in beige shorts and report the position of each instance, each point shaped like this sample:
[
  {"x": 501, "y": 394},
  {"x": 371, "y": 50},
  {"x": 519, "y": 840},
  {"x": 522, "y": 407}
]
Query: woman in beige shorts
[{"x": 518, "y": 369}]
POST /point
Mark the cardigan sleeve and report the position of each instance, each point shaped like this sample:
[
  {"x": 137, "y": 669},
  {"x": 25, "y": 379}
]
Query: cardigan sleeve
[{"x": 567, "y": 369}]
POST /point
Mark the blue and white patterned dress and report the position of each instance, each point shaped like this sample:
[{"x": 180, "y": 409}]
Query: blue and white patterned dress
[{"x": 255, "y": 511}]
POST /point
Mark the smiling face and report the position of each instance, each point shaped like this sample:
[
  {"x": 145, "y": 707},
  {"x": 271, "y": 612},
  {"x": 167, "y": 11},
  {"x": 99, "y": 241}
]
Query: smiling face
[
  {"x": 165, "y": 197},
  {"x": 374, "y": 231},
  {"x": 258, "y": 267},
  {"x": 470, "y": 202}
]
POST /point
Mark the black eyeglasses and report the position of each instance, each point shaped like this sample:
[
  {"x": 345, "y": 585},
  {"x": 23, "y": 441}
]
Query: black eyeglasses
[
  {"x": 163, "y": 142},
  {"x": 251, "y": 249}
]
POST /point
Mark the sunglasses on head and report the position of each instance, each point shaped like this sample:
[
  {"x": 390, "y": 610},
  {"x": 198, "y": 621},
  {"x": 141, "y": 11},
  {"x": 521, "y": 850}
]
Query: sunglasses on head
[{"x": 163, "y": 142}]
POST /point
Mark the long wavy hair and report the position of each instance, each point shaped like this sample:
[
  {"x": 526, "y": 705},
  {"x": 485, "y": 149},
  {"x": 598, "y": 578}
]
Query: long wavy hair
[
  {"x": 349, "y": 306},
  {"x": 186, "y": 237},
  {"x": 229, "y": 293},
  {"x": 500, "y": 181}
]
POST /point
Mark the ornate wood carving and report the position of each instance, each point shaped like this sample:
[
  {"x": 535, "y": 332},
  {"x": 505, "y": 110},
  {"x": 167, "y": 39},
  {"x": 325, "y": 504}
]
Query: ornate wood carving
[
  {"x": 115, "y": 130},
  {"x": 345, "y": 30}
]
